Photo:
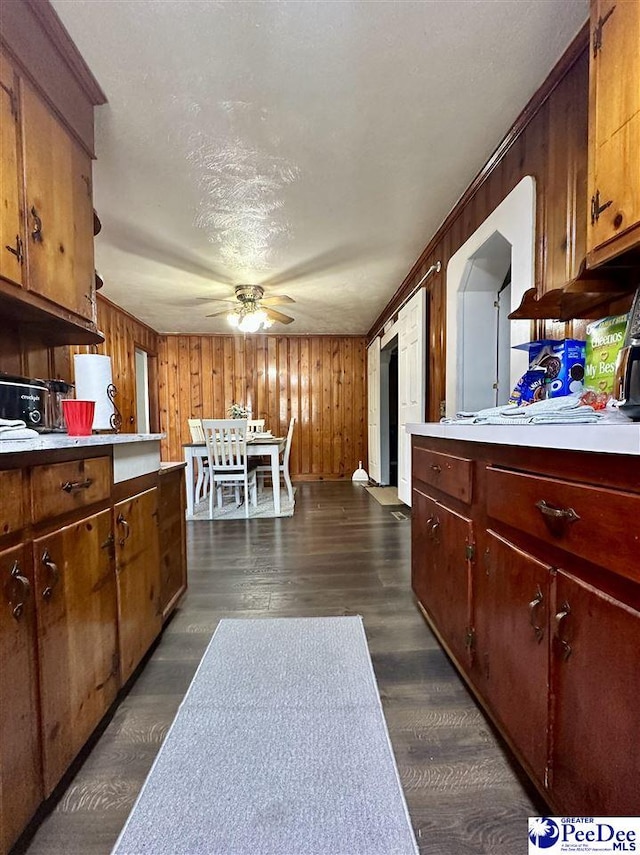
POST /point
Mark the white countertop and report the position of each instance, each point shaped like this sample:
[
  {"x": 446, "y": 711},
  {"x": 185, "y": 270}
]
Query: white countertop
[
  {"x": 50, "y": 441},
  {"x": 607, "y": 438}
]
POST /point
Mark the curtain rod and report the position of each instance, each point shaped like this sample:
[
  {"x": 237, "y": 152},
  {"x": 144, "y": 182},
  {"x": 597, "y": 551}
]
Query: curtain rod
[{"x": 435, "y": 268}]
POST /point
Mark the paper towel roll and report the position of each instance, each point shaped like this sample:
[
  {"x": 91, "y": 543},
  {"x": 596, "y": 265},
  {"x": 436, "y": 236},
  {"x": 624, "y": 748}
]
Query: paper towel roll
[{"x": 93, "y": 376}]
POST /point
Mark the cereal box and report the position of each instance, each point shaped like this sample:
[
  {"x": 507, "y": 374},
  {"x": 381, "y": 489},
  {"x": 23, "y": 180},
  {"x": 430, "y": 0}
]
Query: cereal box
[{"x": 604, "y": 340}]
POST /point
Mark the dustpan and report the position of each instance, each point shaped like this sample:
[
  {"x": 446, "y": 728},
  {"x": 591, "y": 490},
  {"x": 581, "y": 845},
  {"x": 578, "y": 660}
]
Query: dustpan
[{"x": 360, "y": 474}]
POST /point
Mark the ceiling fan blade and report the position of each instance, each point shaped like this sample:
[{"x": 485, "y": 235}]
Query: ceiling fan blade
[
  {"x": 277, "y": 300},
  {"x": 218, "y": 314},
  {"x": 278, "y": 316},
  {"x": 215, "y": 300},
  {"x": 333, "y": 259}
]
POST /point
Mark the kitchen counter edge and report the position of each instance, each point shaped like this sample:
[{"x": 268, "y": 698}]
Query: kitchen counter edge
[
  {"x": 611, "y": 438},
  {"x": 50, "y": 442}
]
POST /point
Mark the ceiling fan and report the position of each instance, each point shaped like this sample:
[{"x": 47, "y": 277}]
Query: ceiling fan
[{"x": 252, "y": 310}]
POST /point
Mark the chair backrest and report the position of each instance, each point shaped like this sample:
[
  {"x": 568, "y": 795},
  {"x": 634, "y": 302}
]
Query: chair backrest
[
  {"x": 195, "y": 428},
  {"x": 226, "y": 441},
  {"x": 255, "y": 425},
  {"x": 287, "y": 445}
]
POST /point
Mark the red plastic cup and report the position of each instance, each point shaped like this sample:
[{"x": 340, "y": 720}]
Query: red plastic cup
[{"x": 78, "y": 416}]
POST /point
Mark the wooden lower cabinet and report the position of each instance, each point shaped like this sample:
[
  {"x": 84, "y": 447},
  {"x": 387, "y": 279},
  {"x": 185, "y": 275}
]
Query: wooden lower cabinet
[
  {"x": 511, "y": 609},
  {"x": 595, "y": 684},
  {"x": 75, "y": 595},
  {"x": 552, "y": 606},
  {"x": 20, "y": 772},
  {"x": 173, "y": 557},
  {"x": 138, "y": 577},
  {"x": 441, "y": 576}
]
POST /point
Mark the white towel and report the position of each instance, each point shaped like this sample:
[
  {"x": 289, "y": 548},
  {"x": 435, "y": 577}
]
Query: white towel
[
  {"x": 563, "y": 410},
  {"x": 15, "y": 429}
]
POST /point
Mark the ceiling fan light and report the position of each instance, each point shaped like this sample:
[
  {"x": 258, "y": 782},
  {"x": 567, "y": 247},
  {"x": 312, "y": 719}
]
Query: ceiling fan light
[
  {"x": 267, "y": 323},
  {"x": 233, "y": 319},
  {"x": 250, "y": 323}
]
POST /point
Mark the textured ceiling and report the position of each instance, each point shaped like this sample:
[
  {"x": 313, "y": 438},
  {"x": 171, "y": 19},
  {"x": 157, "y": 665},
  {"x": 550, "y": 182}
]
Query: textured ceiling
[{"x": 310, "y": 146}]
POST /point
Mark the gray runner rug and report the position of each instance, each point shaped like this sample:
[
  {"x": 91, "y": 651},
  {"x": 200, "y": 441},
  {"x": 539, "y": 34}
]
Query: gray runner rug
[{"x": 279, "y": 747}]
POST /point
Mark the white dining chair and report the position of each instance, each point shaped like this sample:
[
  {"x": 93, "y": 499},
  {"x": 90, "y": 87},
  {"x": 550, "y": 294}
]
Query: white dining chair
[
  {"x": 203, "y": 481},
  {"x": 255, "y": 425},
  {"x": 226, "y": 441},
  {"x": 284, "y": 466}
]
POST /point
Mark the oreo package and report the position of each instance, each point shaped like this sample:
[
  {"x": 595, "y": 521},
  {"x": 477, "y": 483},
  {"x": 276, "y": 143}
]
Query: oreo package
[{"x": 562, "y": 362}]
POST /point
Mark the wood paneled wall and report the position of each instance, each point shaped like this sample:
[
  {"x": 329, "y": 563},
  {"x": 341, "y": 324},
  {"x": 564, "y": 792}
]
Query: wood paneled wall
[
  {"x": 123, "y": 333},
  {"x": 549, "y": 141},
  {"x": 321, "y": 380}
]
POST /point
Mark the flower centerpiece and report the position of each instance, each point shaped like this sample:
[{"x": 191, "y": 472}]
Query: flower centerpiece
[{"x": 237, "y": 411}]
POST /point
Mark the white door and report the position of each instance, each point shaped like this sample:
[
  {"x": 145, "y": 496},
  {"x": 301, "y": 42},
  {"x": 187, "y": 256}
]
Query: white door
[
  {"x": 411, "y": 384},
  {"x": 373, "y": 388}
]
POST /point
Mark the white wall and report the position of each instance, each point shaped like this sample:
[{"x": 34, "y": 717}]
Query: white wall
[{"x": 511, "y": 223}]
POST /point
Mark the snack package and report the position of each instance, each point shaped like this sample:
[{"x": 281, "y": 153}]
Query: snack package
[
  {"x": 604, "y": 339},
  {"x": 563, "y": 362},
  {"x": 530, "y": 387}
]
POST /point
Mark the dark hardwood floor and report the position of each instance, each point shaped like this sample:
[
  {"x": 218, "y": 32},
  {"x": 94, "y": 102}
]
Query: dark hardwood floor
[{"x": 342, "y": 553}]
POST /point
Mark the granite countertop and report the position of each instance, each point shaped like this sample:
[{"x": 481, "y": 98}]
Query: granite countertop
[
  {"x": 606, "y": 437},
  {"x": 51, "y": 441}
]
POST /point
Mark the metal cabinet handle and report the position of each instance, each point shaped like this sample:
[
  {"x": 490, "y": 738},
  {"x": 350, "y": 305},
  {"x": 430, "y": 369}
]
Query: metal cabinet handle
[
  {"x": 556, "y": 518},
  {"x": 54, "y": 575},
  {"x": 74, "y": 486},
  {"x": 17, "y": 250},
  {"x": 36, "y": 232},
  {"x": 561, "y": 616},
  {"x": 533, "y": 614},
  {"x": 17, "y": 579},
  {"x": 435, "y": 467},
  {"x": 127, "y": 528},
  {"x": 434, "y": 533}
]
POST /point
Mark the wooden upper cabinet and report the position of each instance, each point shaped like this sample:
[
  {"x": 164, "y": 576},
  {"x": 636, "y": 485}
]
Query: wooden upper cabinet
[
  {"x": 59, "y": 210},
  {"x": 11, "y": 222},
  {"x": 614, "y": 129}
]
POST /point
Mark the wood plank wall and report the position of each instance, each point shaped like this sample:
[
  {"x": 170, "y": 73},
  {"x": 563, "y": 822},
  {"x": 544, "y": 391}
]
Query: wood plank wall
[
  {"x": 550, "y": 144},
  {"x": 321, "y": 380},
  {"x": 123, "y": 333}
]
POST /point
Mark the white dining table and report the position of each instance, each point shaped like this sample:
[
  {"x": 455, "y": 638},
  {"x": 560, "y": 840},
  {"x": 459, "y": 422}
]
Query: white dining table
[{"x": 271, "y": 447}]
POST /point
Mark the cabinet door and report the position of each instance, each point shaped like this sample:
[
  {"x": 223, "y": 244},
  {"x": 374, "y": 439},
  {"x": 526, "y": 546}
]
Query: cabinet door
[
  {"x": 77, "y": 637},
  {"x": 59, "y": 210},
  {"x": 510, "y": 607},
  {"x": 20, "y": 772},
  {"x": 595, "y": 677},
  {"x": 441, "y": 577},
  {"x": 173, "y": 559},
  {"x": 614, "y": 127},
  {"x": 11, "y": 226},
  {"x": 138, "y": 574}
]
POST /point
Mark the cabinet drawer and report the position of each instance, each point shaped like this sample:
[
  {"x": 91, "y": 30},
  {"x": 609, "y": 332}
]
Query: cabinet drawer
[
  {"x": 63, "y": 487},
  {"x": 12, "y": 513},
  {"x": 593, "y": 523},
  {"x": 452, "y": 475}
]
